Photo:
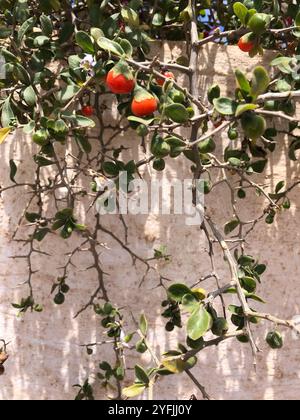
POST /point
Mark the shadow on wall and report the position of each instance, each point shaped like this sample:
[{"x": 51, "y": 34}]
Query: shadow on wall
[{"x": 46, "y": 359}]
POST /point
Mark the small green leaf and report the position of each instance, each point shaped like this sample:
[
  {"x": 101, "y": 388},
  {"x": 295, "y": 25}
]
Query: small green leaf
[
  {"x": 85, "y": 41},
  {"x": 243, "y": 108},
  {"x": 260, "y": 81},
  {"x": 174, "y": 364},
  {"x": 143, "y": 325},
  {"x": 141, "y": 375},
  {"x": 41, "y": 40},
  {"x": 134, "y": 390},
  {"x": 130, "y": 17},
  {"x": 259, "y": 165},
  {"x": 41, "y": 161},
  {"x": 214, "y": 92},
  {"x": 260, "y": 269},
  {"x": 177, "y": 113},
  {"x": 26, "y": 27},
  {"x": 283, "y": 64},
  {"x": 235, "y": 161},
  {"x": 177, "y": 291},
  {"x": 225, "y": 106},
  {"x": 190, "y": 302},
  {"x": 110, "y": 168},
  {"x": 127, "y": 47},
  {"x": 96, "y": 33},
  {"x": 279, "y": 186},
  {"x": 82, "y": 121},
  {"x": 242, "y": 81},
  {"x": 7, "y": 115},
  {"x": 158, "y": 19},
  {"x": 13, "y": 170},
  {"x": 30, "y": 96},
  {"x": 67, "y": 93},
  {"x": 249, "y": 284},
  {"x": 231, "y": 226},
  {"x": 146, "y": 122},
  {"x": 199, "y": 323},
  {"x": 110, "y": 46},
  {"x": 46, "y": 25},
  {"x": 240, "y": 11}
]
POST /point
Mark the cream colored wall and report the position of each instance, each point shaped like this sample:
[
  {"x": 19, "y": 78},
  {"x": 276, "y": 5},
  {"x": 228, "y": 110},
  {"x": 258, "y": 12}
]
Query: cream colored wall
[{"x": 45, "y": 357}]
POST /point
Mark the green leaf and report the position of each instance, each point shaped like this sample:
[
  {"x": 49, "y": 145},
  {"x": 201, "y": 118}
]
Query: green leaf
[
  {"x": 174, "y": 364},
  {"x": 67, "y": 93},
  {"x": 141, "y": 120},
  {"x": 130, "y": 17},
  {"x": 158, "y": 19},
  {"x": 214, "y": 92},
  {"x": 283, "y": 64},
  {"x": 40, "y": 234},
  {"x": 260, "y": 81},
  {"x": 82, "y": 121},
  {"x": 46, "y": 25},
  {"x": 41, "y": 161},
  {"x": 127, "y": 47},
  {"x": 134, "y": 390},
  {"x": 199, "y": 323},
  {"x": 283, "y": 86},
  {"x": 32, "y": 217},
  {"x": 225, "y": 106},
  {"x": 13, "y": 170},
  {"x": 234, "y": 161},
  {"x": 231, "y": 226},
  {"x": 242, "y": 81},
  {"x": 143, "y": 325},
  {"x": 141, "y": 375},
  {"x": 177, "y": 113},
  {"x": 190, "y": 302},
  {"x": 85, "y": 41},
  {"x": 240, "y": 11},
  {"x": 7, "y": 115},
  {"x": 110, "y": 168},
  {"x": 177, "y": 291},
  {"x": 254, "y": 297},
  {"x": 260, "y": 269},
  {"x": 110, "y": 46},
  {"x": 243, "y": 108},
  {"x": 41, "y": 40},
  {"x": 96, "y": 33},
  {"x": 279, "y": 186},
  {"x": 249, "y": 284},
  {"x": 26, "y": 27},
  {"x": 22, "y": 74},
  {"x": 259, "y": 165},
  {"x": 30, "y": 96}
]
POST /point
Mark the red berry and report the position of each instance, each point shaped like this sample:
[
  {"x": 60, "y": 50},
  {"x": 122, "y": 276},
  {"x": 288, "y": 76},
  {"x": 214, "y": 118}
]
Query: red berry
[
  {"x": 245, "y": 44},
  {"x": 119, "y": 83},
  {"x": 167, "y": 74},
  {"x": 87, "y": 111},
  {"x": 144, "y": 107}
]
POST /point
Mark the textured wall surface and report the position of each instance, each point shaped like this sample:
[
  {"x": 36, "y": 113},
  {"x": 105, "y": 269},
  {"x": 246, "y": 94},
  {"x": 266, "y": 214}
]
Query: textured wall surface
[{"x": 45, "y": 356}]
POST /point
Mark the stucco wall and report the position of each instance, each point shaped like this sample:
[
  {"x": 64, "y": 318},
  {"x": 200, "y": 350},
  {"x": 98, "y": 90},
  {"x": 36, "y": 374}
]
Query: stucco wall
[{"x": 45, "y": 356}]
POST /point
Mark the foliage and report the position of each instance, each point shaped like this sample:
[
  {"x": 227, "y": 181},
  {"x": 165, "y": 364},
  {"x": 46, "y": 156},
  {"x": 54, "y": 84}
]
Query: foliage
[{"x": 60, "y": 105}]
